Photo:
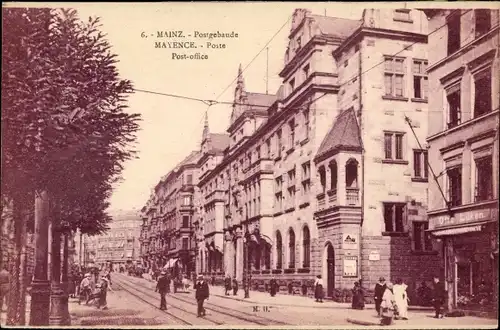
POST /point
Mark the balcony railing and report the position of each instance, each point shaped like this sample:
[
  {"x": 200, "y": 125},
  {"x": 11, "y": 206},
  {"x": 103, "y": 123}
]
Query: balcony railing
[
  {"x": 332, "y": 196},
  {"x": 352, "y": 196}
]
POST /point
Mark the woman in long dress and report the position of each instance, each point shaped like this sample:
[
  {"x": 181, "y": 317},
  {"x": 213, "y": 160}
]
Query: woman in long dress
[
  {"x": 318, "y": 289},
  {"x": 401, "y": 299},
  {"x": 387, "y": 306}
]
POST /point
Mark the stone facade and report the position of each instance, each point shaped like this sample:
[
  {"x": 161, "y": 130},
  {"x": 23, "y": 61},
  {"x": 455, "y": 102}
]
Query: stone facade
[{"x": 463, "y": 150}]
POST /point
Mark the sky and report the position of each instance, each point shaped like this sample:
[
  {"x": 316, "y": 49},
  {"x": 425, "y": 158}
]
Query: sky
[{"x": 172, "y": 127}]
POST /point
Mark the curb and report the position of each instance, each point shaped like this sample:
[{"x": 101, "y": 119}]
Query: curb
[
  {"x": 365, "y": 323},
  {"x": 336, "y": 305}
]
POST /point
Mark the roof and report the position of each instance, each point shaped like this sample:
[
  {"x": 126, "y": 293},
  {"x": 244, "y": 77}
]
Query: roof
[
  {"x": 192, "y": 158},
  {"x": 339, "y": 27},
  {"x": 219, "y": 142},
  {"x": 263, "y": 101},
  {"x": 344, "y": 134}
]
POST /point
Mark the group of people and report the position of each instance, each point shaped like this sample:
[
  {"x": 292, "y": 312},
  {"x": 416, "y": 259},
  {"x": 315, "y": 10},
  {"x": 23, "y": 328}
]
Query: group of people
[
  {"x": 91, "y": 291},
  {"x": 230, "y": 284},
  {"x": 200, "y": 287},
  {"x": 391, "y": 300}
]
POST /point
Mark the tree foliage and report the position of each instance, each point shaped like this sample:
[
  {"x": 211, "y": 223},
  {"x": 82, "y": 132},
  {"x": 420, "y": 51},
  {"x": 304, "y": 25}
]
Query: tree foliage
[{"x": 65, "y": 124}]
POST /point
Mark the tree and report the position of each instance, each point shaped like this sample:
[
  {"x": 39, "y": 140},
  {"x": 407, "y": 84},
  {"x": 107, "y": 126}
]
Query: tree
[{"x": 65, "y": 128}]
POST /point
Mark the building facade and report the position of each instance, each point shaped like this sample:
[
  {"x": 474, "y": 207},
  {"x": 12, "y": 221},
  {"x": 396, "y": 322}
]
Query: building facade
[
  {"x": 325, "y": 177},
  {"x": 118, "y": 247},
  {"x": 167, "y": 231},
  {"x": 463, "y": 150}
]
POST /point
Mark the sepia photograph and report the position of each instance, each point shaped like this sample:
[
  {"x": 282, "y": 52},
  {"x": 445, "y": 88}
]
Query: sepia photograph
[{"x": 271, "y": 165}]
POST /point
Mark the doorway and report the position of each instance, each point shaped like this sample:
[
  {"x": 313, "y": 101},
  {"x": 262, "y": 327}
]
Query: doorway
[{"x": 330, "y": 268}]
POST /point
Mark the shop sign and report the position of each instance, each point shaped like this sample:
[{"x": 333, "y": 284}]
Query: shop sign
[
  {"x": 374, "y": 256},
  {"x": 461, "y": 218},
  {"x": 350, "y": 266},
  {"x": 349, "y": 241}
]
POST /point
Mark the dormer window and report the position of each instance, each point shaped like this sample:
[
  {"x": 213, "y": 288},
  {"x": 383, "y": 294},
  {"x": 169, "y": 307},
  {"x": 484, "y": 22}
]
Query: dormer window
[{"x": 402, "y": 15}]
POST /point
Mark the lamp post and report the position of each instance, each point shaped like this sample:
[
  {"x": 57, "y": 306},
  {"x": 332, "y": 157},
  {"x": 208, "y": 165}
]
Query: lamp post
[{"x": 246, "y": 240}]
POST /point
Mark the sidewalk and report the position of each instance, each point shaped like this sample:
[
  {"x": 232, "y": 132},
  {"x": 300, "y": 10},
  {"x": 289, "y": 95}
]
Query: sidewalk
[
  {"x": 258, "y": 297},
  {"x": 421, "y": 319}
]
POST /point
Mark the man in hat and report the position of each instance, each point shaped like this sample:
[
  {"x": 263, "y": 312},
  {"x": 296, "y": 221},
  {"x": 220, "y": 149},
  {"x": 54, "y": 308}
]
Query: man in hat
[
  {"x": 85, "y": 289},
  {"x": 379, "y": 292},
  {"x": 162, "y": 288},
  {"x": 439, "y": 297},
  {"x": 202, "y": 293}
]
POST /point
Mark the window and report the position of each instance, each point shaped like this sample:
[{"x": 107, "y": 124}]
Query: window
[
  {"x": 454, "y": 114},
  {"x": 306, "y": 71},
  {"x": 278, "y": 142},
  {"x": 483, "y": 21},
  {"x": 306, "y": 178},
  {"x": 402, "y": 15},
  {"x": 279, "y": 251},
  {"x": 455, "y": 186},
  {"x": 306, "y": 246},
  {"x": 482, "y": 93},
  {"x": 484, "y": 179},
  {"x": 322, "y": 178},
  {"x": 185, "y": 221},
  {"x": 333, "y": 175},
  {"x": 291, "y": 249},
  {"x": 421, "y": 238},
  {"x": 279, "y": 193},
  {"x": 291, "y": 188},
  {"x": 420, "y": 83},
  {"x": 185, "y": 243},
  {"x": 257, "y": 153},
  {"x": 453, "y": 32},
  {"x": 393, "y": 146},
  {"x": 394, "y": 76},
  {"x": 292, "y": 84},
  {"x": 351, "y": 174},
  {"x": 306, "y": 122},
  {"x": 299, "y": 43},
  {"x": 394, "y": 217},
  {"x": 346, "y": 63},
  {"x": 268, "y": 148},
  {"x": 291, "y": 125},
  {"x": 189, "y": 179},
  {"x": 187, "y": 200},
  {"x": 420, "y": 169}
]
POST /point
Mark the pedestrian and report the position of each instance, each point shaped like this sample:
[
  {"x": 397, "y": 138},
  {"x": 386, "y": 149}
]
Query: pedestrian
[
  {"x": 85, "y": 289},
  {"x": 162, "y": 288},
  {"x": 4, "y": 287},
  {"x": 318, "y": 289},
  {"x": 235, "y": 287},
  {"x": 358, "y": 298},
  {"x": 202, "y": 293},
  {"x": 103, "y": 293},
  {"x": 379, "y": 292},
  {"x": 273, "y": 286},
  {"x": 227, "y": 284},
  {"x": 387, "y": 305},
  {"x": 168, "y": 280},
  {"x": 401, "y": 299},
  {"x": 438, "y": 297}
]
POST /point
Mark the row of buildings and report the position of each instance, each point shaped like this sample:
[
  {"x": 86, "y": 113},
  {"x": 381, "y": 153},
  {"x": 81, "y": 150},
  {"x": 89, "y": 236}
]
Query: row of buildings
[
  {"x": 377, "y": 156},
  {"x": 118, "y": 247}
]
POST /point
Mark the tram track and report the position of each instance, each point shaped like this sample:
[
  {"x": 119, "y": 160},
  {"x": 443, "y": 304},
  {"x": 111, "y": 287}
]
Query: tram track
[
  {"x": 139, "y": 297},
  {"x": 216, "y": 309}
]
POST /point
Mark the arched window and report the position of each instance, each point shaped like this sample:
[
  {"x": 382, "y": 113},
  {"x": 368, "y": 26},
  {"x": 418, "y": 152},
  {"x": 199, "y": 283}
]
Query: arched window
[
  {"x": 279, "y": 251},
  {"x": 333, "y": 175},
  {"x": 306, "y": 245},
  {"x": 322, "y": 178},
  {"x": 291, "y": 249},
  {"x": 351, "y": 174}
]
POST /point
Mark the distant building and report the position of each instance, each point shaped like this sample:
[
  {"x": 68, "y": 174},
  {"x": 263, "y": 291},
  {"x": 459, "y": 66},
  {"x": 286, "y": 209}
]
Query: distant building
[
  {"x": 167, "y": 230},
  {"x": 464, "y": 62},
  {"x": 120, "y": 245}
]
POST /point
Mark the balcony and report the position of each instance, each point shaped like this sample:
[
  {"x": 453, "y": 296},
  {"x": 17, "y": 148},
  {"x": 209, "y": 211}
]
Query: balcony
[
  {"x": 352, "y": 196},
  {"x": 321, "y": 201},
  {"x": 332, "y": 196},
  {"x": 262, "y": 166},
  {"x": 218, "y": 195}
]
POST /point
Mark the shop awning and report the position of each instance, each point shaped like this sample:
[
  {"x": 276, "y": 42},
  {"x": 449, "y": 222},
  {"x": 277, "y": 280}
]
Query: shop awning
[
  {"x": 457, "y": 230},
  {"x": 170, "y": 263}
]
